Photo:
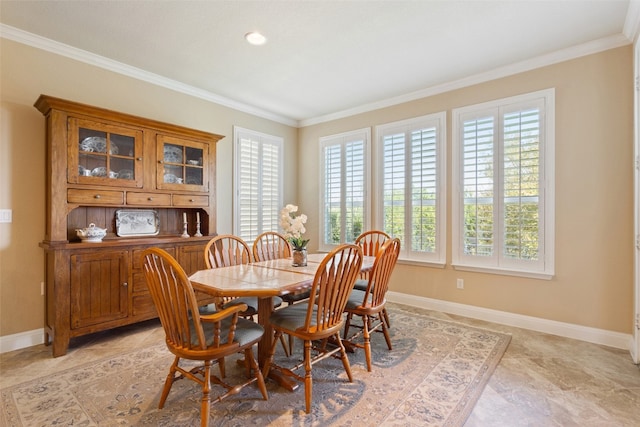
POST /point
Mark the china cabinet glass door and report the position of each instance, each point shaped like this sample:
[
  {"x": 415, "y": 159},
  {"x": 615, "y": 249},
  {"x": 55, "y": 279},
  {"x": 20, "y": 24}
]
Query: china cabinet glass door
[
  {"x": 105, "y": 154},
  {"x": 182, "y": 164}
]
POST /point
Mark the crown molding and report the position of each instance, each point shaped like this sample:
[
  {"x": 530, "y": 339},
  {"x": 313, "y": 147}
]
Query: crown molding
[
  {"x": 48, "y": 45},
  {"x": 501, "y": 72},
  {"x": 631, "y": 28}
]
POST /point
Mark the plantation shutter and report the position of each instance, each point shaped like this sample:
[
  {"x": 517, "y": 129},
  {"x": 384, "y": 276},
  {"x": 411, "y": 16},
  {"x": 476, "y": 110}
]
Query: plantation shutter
[
  {"x": 344, "y": 187},
  {"x": 504, "y": 170},
  {"x": 412, "y": 180},
  {"x": 258, "y": 183},
  {"x": 478, "y": 185}
]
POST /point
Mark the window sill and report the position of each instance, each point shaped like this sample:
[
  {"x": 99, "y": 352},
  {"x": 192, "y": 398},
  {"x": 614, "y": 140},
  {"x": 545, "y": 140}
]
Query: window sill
[
  {"x": 432, "y": 264},
  {"x": 505, "y": 272}
]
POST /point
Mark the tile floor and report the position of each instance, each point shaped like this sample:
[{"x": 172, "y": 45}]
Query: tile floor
[{"x": 542, "y": 380}]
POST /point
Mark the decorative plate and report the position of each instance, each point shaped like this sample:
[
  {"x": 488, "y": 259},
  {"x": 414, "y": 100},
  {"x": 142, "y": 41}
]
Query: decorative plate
[
  {"x": 125, "y": 174},
  {"x": 172, "y": 154},
  {"x": 137, "y": 223},
  {"x": 101, "y": 171},
  {"x": 170, "y": 178}
]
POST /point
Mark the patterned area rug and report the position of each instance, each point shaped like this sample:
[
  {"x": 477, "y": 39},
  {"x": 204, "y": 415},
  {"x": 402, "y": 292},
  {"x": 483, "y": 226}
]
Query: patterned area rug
[{"x": 432, "y": 377}]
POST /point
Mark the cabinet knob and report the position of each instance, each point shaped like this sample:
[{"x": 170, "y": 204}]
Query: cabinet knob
[
  {"x": 150, "y": 199},
  {"x": 97, "y": 196},
  {"x": 139, "y": 159},
  {"x": 191, "y": 200},
  {"x": 160, "y": 161},
  {"x": 125, "y": 284}
]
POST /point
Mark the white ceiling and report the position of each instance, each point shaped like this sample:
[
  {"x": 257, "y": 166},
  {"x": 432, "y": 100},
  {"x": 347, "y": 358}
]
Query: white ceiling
[{"x": 323, "y": 59}]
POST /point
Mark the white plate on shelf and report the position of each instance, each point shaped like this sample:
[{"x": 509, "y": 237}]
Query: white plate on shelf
[
  {"x": 172, "y": 154},
  {"x": 125, "y": 174},
  {"x": 170, "y": 178},
  {"x": 101, "y": 171}
]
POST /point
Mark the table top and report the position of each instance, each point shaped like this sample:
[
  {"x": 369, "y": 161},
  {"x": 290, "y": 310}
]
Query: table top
[{"x": 262, "y": 279}]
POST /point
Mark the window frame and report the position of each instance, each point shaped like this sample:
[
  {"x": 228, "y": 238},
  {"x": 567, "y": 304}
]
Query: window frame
[
  {"x": 240, "y": 134},
  {"x": 544, "y": 267},
  {"x": 439, "y": 122},
  {"x": 342, "y": 139}
]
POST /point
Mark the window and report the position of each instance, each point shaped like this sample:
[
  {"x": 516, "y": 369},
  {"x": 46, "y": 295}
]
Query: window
[
  {"x": 258, "y": 179},
  {"x": 503, "y": 172},
  {"x": 344, "y": 178},
  {"x": 411, "y": 175}
]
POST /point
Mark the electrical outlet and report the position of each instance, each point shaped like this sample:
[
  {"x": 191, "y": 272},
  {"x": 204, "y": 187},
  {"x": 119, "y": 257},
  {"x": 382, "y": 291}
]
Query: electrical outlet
[{"x": 460, "y": 283}]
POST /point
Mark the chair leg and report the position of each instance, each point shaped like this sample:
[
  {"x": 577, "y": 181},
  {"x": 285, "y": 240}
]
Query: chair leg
[
  {"x": 367, "y": 341},
  {"x": 251, "y": 361},
  {"x": 345, "y": 359},
  {"x": 171, "y": 377},
  {"x": 385, "y": 315},
  {"x": 308, "y": 382},
  {"x": 206, "y": 389},
  {"x": 286, "y": 347},
  {"x": 221, "y": 366},
  {"x": 347, "y": 323},
  {"x": 385, "y": 331},
  {"x": 272, "y": 350}
]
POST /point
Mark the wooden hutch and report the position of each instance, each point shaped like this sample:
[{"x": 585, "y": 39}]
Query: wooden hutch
[{"x": 136, "y": 178}]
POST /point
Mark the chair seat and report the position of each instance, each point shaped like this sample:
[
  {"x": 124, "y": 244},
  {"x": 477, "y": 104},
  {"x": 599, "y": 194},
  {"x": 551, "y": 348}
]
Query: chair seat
[
  {"x": 252, "y": 303},
  {"x": 361, "y": 284},
  {"x": 356, "y": 299},
  {"x": 246, "y": 332},
  {"x": 292, "y": 298},
  {"x": 292, "y": 317}
]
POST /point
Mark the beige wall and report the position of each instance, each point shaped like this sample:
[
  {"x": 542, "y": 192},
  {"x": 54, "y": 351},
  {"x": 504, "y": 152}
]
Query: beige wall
[
  {"x": 25, "y": 74},
  {"x": 593, "y": 285},
  {"x": 594, "y": 199}
]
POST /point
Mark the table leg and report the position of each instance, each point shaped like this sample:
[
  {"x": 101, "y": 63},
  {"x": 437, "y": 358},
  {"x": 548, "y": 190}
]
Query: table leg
[{"x": 265, "y": 307}]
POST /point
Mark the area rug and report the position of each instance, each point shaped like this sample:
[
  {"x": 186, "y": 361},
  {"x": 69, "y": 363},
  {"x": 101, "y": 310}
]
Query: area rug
[{"x": 433, "y": 377}]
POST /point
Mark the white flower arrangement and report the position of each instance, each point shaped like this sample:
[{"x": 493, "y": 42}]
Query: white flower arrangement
[{"x": 293, "y": 227}]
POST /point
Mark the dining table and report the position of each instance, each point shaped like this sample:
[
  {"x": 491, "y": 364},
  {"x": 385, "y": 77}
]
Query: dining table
[{"x": 264, "y": 280}]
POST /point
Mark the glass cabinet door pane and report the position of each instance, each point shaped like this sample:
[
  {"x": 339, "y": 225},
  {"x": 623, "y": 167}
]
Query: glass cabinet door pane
[
  {"x": 105, "y": 154},
  {"x": 182, "y": 164}
]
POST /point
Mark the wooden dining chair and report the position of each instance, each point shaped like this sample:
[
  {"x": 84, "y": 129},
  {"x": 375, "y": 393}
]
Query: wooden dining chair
[
  {"x": 191, "y": 336},
  {"x": 321, "y": 318},
  {"x": 371, "y": 242},
  {"x": 227, "y": 250},
  {"x": 271, "y": 245},
  {"x": 370, "y": 303}
]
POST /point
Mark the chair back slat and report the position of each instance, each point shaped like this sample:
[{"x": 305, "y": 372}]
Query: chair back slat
[
  {"x": 332, "y": 285},
  {"x": 226, "y": 250},
  {"x": 381, "y": 272},
  {"x": 271, "y": 245},
  {"x": 371, "y": 241}
]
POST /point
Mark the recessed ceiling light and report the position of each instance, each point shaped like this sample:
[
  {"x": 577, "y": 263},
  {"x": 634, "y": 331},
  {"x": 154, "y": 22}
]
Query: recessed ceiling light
[{"x": 255, "y": 38}]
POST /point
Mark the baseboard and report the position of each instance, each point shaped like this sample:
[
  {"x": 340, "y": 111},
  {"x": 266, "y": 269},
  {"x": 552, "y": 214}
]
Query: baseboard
[
  {"x": 567, "y": 330},
  {"x": 21, "y": 340}
]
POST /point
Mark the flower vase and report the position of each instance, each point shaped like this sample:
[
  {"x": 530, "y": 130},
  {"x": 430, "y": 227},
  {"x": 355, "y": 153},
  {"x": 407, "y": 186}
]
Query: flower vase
[{"x": 299, "y": 257}]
